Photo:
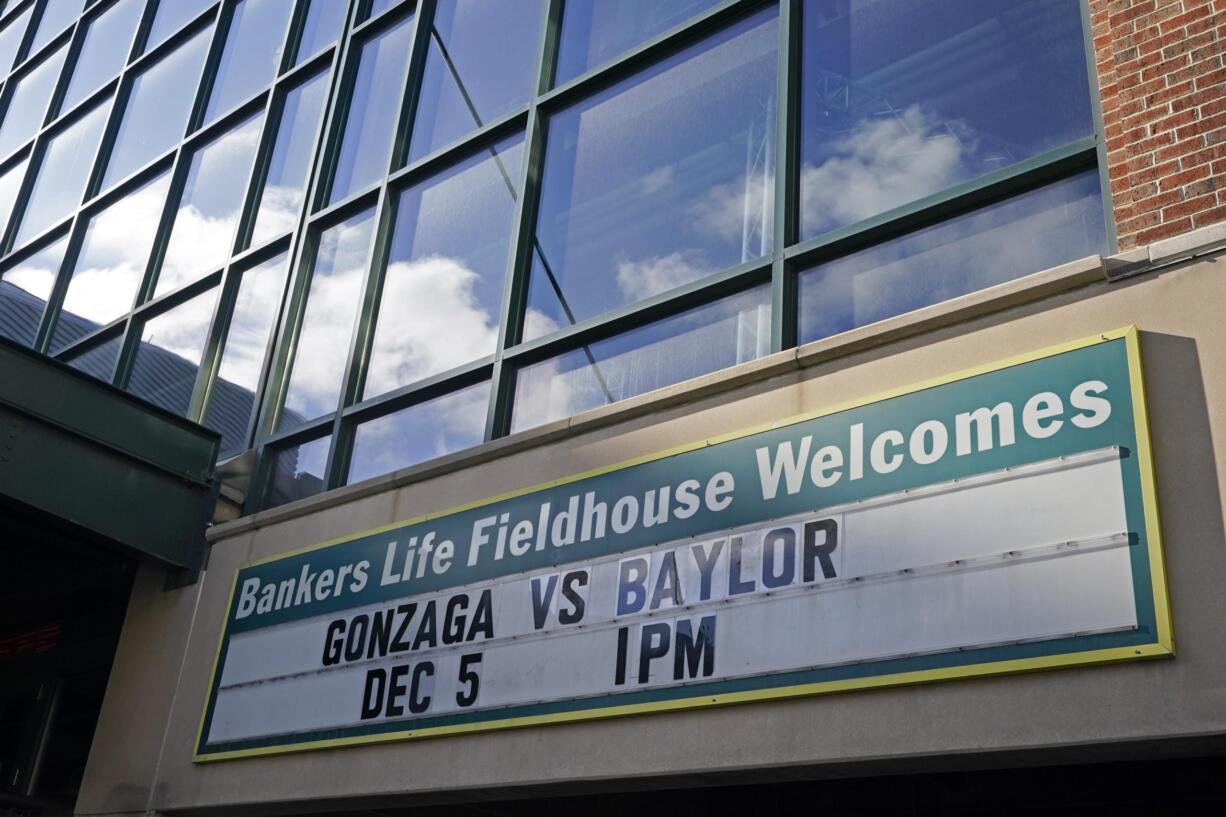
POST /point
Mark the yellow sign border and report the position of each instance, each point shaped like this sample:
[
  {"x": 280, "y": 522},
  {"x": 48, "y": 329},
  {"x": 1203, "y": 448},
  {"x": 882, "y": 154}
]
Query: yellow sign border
[{"x": 1164, "y": 644}]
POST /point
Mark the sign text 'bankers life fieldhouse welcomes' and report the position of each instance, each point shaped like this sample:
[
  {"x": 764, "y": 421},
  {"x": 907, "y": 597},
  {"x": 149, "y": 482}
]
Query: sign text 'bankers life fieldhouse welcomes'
[{"x": 994, "y": 520}]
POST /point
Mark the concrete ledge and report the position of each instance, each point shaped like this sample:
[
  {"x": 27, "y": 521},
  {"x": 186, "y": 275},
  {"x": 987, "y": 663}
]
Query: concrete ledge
[{"x": 1183, "y": 247}]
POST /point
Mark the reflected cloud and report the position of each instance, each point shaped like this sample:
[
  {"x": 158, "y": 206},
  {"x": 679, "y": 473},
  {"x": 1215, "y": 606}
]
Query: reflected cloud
[
  {"x": 324, "y": 342},
  {"x": 278, "y": 215},
  {"x": 650, "y": 276},
  {"x": 881, "y": 164},
  {"x": 739, "y": 212},
  {"x": 430, "y": 320}
]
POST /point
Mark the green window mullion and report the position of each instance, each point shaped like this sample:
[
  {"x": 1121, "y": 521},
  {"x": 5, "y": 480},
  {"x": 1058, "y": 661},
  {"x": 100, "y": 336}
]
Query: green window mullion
[{"x": 787, "y": 176}]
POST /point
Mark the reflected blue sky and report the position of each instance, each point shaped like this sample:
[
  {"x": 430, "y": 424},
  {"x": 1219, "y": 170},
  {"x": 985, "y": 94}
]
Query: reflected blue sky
[
  {"x": 442, "y": 293},
  {"x": 57, "y": 16},
  {"x": 481, "y": 64},
  {"x": 905, "y": 98},
  {"x": 171, "y": 16},
  {"x": 322, "y": 26},
  {"x": 660, "y": 180},
  {"x": 252, "y": 53},
  {"x": 297, "y": 472},
  {"x": 1015, "y": 237},
  {"x": 27, "y": 104},
  {"x": 10, "y": 38},
  {"x": 107, "y": 42}
]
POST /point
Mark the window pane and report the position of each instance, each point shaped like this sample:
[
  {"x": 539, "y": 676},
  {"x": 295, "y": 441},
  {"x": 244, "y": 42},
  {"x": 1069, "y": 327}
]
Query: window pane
[
  {"x": 377, "y": 7},
  {"x": 905, "y": 99},
  {"x": 481, "y": 64},
  {"x": 297, "y": 472},
  {"x": 111, "y": 263},
  {"x": 24, "y": 290},
  {"x": 322, "y": 26},
  {"x": 203, "y": 232},
  {"x": 158, "y": 108},
  {"x": 365, "y": 151},
  {"x": 107, "y": 43},
  {"x": 232, "y": 398},
  {"x": 442, "y": 293},
  {"x": 690, "y": 344},
  {"x": 67, "y": 161},
  {"x": 1025, "y": 234},
  {"x": 10, "y": 39},
  {"x": 419, "y": 433},
  {"x": 168, "y": 358},
  {"x": 98, "y": 361},
  {"x": 10, "y": 183},
  {"x": 596, "y": 31},
  {"x": 327, "y": 323},
  {"x": 171, "y": 16},
  {"x": 252, "y": 54},
  {"x": 27, "y": 105},
  {"x": 660, "y": 180},
  {"x": 285, "y": 184},
  {"x": 57, "y": 16}
]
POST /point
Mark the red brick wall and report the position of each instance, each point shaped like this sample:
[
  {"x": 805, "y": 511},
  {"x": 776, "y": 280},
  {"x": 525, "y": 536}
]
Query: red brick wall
[{"x": 1162, "y": 76}]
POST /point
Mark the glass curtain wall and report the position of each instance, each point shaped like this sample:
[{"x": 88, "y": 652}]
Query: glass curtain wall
[{"x": 359, "y": 235}]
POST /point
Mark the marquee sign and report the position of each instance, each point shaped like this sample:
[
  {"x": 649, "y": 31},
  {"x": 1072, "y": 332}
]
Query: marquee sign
[{"x": 996, "y": 520}]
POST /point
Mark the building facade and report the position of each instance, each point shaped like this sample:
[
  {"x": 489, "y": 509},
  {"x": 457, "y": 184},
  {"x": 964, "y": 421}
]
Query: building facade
[{"x": 615, "y": 396}]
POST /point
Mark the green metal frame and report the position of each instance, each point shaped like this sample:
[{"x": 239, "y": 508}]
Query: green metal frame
[{"x": 779, "y": 269}]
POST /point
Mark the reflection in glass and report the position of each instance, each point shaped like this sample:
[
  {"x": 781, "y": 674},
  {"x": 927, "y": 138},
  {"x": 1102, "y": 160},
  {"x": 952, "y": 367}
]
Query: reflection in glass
[
  {"x": 232, "y": 397},
  {"x": 171, "y": 16},
  {"x": 10, "y": 39},
  {"x": 419, "y": 433},
  {"x": 377, "y": 7},
  {"x": 323, "y": 24},
  {"x": 27, "y": 105},
  {"x": 204, "y": 226},
  {"x": 481, "y": 64},
  {"x": 660, "y": 180},
  {"x": 327, "y": 322},
  {"x": 366, "y": 145},
  {"x": 105, "y": 50},
  {"x": 693, "y": 343},
  {"x": 24, "y": 290},
  {"x": 297, "y": 472},
  {"x": 1028, "y": 233},
  {"x": 57, "y": 16},
  {"x": 596, "y": 31},
  {"x": 252, "y": 54},
  {"x": 64, "y": 172},
  {"x": 10, "y": 184},
  {"x": 97, "y": 361},
  {"x": 285, "y": 183},
  {"x": 442, "y": 293},
  {"x": 159, "y": 107},
  {"x": 902, "y": 100},
  {"x": 168, "y": 359},
  {"x": 111, "y": 263}
]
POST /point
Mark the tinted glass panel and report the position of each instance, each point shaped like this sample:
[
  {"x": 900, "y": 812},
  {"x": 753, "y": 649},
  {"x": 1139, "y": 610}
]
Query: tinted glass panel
[
  {"x": 285, "y": 184},
  {"x": 24, "y": 290},
  {"x": 111, "y": 263},
  {"x": 327, "y": 323},
  {"x": 203, "y": 232},
  {"x": 904, "y": 99},
  {"x": 481, "y": 64},
  {"x": 10, "y": 39},
  {"x": 232, "y": 398},
  {"x": 1025, "y": 234},
  {"x": 57, "y": 16},
  {"x": 297, "y": 472},
  {"x": 107, "y": 42},
  {"x": 596, "y": 31},
  {"x": 10, "y": 184},
  {"x": 377, "y": 7},
  {"x": 322, "y": 26},
  {"x": 442, "y": 293},
  {"x": 419, "y": 433},
  {"x": 660, "y": 180},
  {"x": 158, "y": 108},
  {"x": 64, "y": 172},
  {"x": 252, "y": 54},
  {"x": 366, "y": 146},
  {"x": 27, "y": 105},
  {"x": 168, "y": 358},
  {"x": 173, "y": 15},
  {"x": 696, "y": 342},
  {"x": 99, "y": 361}
]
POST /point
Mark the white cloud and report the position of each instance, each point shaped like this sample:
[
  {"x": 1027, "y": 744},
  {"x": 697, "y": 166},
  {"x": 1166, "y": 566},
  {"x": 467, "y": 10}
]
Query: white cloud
[
  {"x": 650, "y": 276},
  {"x": 739, "y": 212}
]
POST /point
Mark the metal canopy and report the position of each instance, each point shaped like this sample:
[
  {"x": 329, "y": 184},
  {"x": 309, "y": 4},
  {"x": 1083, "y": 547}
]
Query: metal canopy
[{"x": 99, "y": 465}]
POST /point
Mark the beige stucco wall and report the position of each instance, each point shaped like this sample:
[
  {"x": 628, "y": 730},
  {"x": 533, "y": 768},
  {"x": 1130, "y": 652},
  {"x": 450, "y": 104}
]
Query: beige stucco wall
[{"x": 142, "y": 753}]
